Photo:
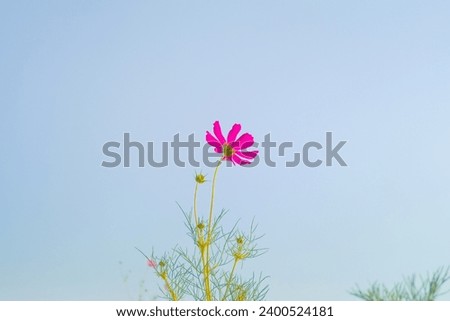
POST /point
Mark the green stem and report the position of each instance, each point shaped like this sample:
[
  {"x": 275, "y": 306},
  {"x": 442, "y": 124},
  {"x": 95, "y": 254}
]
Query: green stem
[
  {"x": 201, "y": 245},
  {"x": 212, "y": 201},
  {"x": 206, "y": 267},
  {"x": 172, "y": 293},
  {"x": 195, "y": 205},
  {"x": 229, "y": 279}
]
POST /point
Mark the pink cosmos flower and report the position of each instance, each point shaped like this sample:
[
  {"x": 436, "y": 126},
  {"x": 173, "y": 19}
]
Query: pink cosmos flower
[
  {"x": 151, "y": 263},
  {"x": 232, "y": 148}
]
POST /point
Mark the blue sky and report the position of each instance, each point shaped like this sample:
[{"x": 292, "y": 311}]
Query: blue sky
[{"x": 77, "y": 74}]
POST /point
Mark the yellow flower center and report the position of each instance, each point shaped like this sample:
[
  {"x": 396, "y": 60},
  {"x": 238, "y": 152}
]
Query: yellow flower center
[
  {"x": 200, "y": 178},
  {"x": 242, "y": 293},
  {"x": 228, "y": 151}
]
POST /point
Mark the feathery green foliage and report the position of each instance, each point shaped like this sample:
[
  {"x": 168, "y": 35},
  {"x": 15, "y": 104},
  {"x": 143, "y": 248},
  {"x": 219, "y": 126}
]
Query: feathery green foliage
[
  {"x": 209, "y": 271},
  {"x": 412, "y": 288}
]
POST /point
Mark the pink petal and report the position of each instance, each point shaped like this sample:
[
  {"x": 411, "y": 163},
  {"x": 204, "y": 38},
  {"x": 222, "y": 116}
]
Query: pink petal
[
  {"x": 237, "y": 160},
  {"x": 247, "y": 154},
  {"x": 233, "y": 133},
  {"x": 218, "y": 132},
  {"x": 210, "y": 139},
  {"x": 245, "y": 141},
  {"x": 151, "y": 263},
  {"x": 234, "y": 145}
]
